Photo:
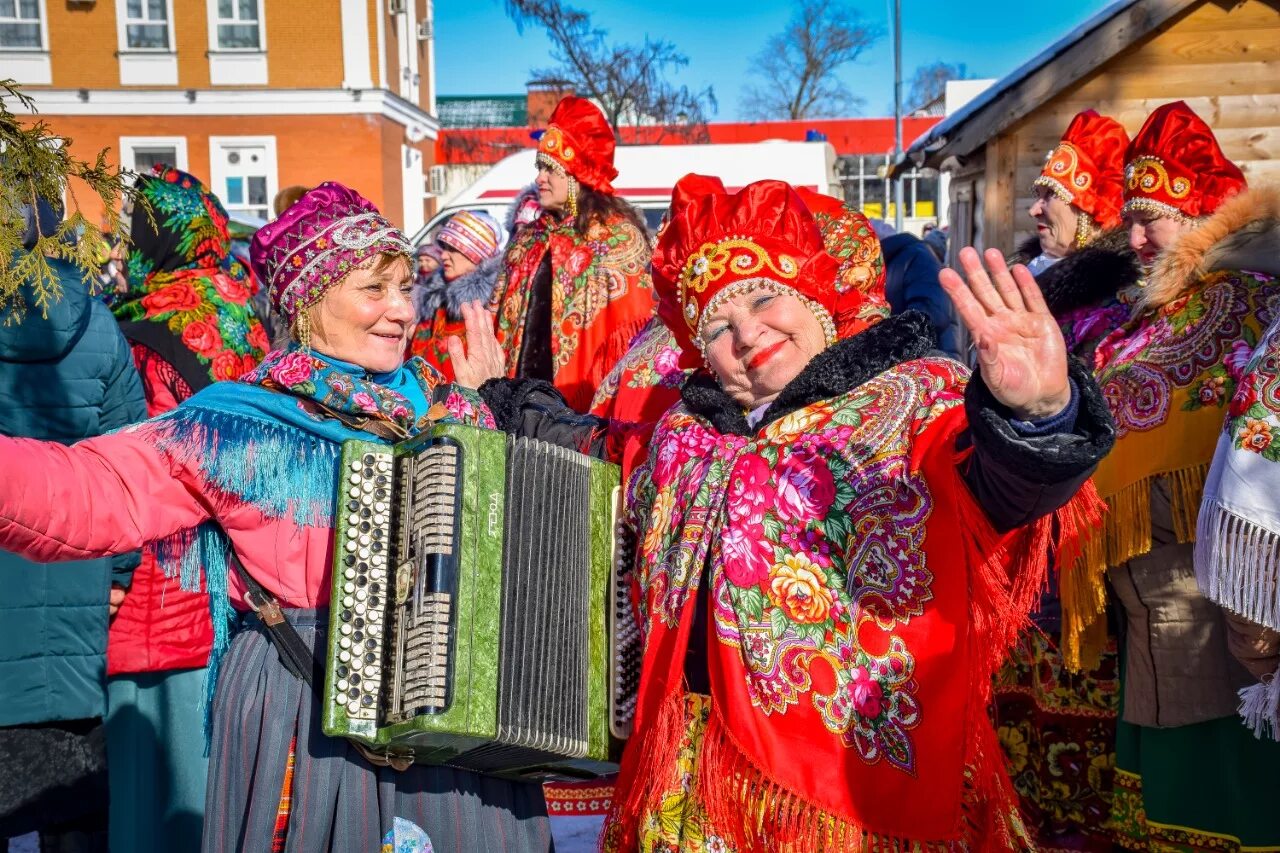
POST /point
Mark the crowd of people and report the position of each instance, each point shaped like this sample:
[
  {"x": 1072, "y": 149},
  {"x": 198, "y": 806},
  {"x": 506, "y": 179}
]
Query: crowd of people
[{"x": 896, "y": 592}]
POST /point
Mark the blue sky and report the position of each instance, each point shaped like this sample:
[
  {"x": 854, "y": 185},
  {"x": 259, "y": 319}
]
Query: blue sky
[{"x": 480, "y": 52}]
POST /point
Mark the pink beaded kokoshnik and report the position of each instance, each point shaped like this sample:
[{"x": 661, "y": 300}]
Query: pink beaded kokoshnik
[{"x": 330, "y": 231}]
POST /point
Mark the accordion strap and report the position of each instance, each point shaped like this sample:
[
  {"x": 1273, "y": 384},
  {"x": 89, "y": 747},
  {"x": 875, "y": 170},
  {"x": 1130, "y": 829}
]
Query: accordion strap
[
  {"x": 296, "y": 657},
  {"x": 293, "y": 652}
]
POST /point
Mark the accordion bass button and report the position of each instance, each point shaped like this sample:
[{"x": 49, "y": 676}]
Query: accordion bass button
[
  {"x": 344, "y": 642},
  {"x": 348, "y": 587},
  {"x": 351, "y": 545},
  {"x": 344, "y": 656},
  {"x": 349, "y": 601},
  {"x": 342, "y": 685}
]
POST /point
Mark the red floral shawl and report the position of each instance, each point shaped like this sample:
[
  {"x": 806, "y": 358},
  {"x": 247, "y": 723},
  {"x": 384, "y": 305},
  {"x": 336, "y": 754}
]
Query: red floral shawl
[
  {"x": 601, "y": 297},
  {"x": 861, "y": 603}
]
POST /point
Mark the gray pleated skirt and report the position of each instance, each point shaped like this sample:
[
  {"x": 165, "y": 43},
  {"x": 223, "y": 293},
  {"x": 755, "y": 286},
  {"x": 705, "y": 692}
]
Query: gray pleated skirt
[{"x": 340, "y": 802}]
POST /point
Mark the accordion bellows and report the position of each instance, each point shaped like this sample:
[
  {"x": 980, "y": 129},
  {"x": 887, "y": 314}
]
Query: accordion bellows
[{"x": 475, "y": 618}]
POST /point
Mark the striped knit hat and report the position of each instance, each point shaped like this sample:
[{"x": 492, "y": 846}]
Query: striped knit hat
[{"x": 475, "y": 234}]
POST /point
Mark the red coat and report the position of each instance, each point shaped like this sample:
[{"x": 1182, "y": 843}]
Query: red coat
[{"x": 159, "y": 626}]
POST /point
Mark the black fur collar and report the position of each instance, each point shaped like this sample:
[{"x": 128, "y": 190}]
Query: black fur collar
[
  {"x": 1090, "y": 275},
  {"x": 834, "y": 371},
  {"x": 477, "y": 284},
  {"x": 1086, "y": 276}
]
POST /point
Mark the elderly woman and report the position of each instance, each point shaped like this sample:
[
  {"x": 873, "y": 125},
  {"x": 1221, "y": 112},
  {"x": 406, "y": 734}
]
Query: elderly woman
[
  {"x": 575, "y": 289},
  {"x": 1080, "y": 255},
  {"x": 1058, "y": 726},
  {"x": 1187, "y": 773},
  {"x": 241, "y": 478},
  {"x": 470, "y": 246},
  {"x": 837, "y": 540}
]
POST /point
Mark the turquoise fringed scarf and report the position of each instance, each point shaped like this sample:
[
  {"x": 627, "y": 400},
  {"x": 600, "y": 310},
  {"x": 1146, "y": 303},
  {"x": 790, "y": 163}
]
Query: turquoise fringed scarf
[{"x": 258, "y": 441}]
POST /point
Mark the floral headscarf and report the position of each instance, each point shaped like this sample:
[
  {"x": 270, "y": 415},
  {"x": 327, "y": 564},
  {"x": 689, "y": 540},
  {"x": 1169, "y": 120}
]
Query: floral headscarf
[{"x": 188, "y": 297}]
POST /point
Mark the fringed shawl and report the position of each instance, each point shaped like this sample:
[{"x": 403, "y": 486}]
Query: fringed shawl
[
  {"x": 1167, "y": 377},
  {"x": 860, "y": 603}
]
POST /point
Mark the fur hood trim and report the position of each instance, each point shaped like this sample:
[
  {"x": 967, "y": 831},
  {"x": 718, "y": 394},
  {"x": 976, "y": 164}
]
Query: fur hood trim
[
  {"x": 529, "y": 192},
  {"x": 1243, "y": 234},
  {"x": 477, "y": 284}
]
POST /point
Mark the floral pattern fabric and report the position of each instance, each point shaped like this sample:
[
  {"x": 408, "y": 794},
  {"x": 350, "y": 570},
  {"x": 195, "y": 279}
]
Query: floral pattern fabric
[
  {"x": 306, "y": 375},
  {"x": 601, "y": 296},
  {"x": 1254, "y": 413},
  {"x": 1187, "y": 356},
  {"x": 1057, "y": 729},
  {"x": 183, "y": 277},
  {"x": 828, "y": 592}
]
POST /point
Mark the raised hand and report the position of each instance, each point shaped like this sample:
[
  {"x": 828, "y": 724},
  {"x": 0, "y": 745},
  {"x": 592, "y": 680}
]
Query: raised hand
[
  {"x": 1020, "y": 347},
  {"x": 481, "y": 358}
]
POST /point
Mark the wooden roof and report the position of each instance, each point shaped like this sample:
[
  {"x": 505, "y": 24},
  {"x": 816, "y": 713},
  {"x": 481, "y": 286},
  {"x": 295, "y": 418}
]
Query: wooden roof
[{"x": 1061, "y": 65}]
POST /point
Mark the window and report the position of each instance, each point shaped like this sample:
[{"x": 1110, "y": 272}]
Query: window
[
  {"x": 239, "y": 25},
  {"x": 243, "y": 171},
  {"x": 140, "y": 153},
  {"x": 146, "y": 24},
  {"x": 867, "y": 188},
  {"x": 20, "y": 25}
]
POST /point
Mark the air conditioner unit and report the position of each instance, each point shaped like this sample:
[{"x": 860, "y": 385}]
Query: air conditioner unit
[
  {"x": 437, "y": 180},
  {"x": 424, "y": 31},
  {"x": 396, "y": 7}
]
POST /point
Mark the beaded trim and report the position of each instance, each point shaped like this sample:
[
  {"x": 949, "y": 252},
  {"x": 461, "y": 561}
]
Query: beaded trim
[
  {"x": 544, "y": 159},
  {"x": 769, "y": 285},
  {"x": 712, "y": 261},
  {"x": 1084, "y": 229},
  {"x": 357, "y": 234},
  {"x": 1150, "y": 205},
  {"x": 1148, "y": 175},
  {"x": 1054, "y": 186}
]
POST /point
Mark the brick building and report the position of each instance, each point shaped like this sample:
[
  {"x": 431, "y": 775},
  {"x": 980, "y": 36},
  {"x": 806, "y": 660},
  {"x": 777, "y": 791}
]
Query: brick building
[{"x": 249, "y": 95}]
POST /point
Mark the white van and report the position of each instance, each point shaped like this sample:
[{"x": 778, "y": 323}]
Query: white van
[{"x": 646, "y": 174}]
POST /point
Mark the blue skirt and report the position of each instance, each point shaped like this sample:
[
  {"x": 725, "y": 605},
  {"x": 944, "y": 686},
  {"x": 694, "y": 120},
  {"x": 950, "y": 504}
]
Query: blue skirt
[{"x": 155, "y": 760}]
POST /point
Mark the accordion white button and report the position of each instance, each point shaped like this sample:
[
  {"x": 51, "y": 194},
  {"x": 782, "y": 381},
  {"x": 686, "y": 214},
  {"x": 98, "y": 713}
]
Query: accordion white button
[
  {"x": 345, "y": 642},
  {"x": 342, "y": 685},
  {"x": 346, "y": 629},
  {"x": 351, "y": 545}
]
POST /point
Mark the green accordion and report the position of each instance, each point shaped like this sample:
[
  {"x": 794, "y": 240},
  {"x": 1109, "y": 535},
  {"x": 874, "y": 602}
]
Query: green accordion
[{"x": 477, "y": 612}]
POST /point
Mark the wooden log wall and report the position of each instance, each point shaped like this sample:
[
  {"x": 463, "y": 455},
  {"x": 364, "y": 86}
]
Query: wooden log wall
[{"x": 1222, "y": 58}]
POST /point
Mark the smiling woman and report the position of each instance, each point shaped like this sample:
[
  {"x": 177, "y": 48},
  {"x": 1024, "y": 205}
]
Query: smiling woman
[
  {"x": 240, "y": 481},
  {"x": 368, "y": 318}
]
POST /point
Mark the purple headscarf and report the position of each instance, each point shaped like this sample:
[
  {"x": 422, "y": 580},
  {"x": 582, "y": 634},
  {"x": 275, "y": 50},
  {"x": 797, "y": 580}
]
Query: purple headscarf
[{"x": 328, "y": 232}]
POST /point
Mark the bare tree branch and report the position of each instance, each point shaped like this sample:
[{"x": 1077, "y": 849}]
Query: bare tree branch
[
  {"x": 798, "y": 65},
  {"x": 628, "y": 81},
  {"x": 930, "y": 83}
]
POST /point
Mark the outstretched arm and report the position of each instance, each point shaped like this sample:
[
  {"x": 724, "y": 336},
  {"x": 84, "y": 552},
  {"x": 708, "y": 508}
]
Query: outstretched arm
[{"x": 102, "y": 496}]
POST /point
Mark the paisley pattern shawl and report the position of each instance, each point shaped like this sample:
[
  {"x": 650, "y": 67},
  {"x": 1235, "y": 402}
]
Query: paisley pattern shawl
[
  {"x": 1167, "y": 377},
  {"x": 601, "y": 297},
  {"x": 861, "y": 604},
  {"x": 188, "y": 297}
]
